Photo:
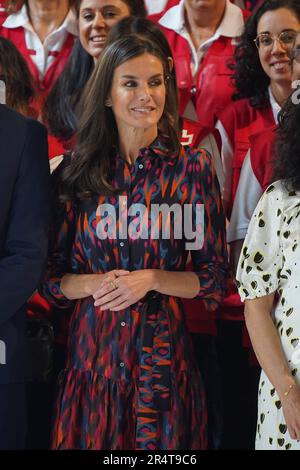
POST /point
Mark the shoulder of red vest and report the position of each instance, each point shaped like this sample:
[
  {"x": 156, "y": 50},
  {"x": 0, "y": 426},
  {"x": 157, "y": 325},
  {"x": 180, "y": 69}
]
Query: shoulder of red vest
[{"x": 263, "y": 139}]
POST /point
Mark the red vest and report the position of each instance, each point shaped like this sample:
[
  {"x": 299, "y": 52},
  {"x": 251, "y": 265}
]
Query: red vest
[
  {"x": 193, "y": 134},
  {"x": 211, "y": 89},
  {"x": 241, "y": 120},
  {"x": 198, "y": 319},
  {"x": 262, "y": 153},
  {"x": 170, "y": 4},
  {"x": 43, "y": 86}
]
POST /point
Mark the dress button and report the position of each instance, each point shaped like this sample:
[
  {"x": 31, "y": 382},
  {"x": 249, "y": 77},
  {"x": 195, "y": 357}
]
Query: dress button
[
  {"x": 141, "y": 166},
  {"x": 123, "y": 323},
  {"x": 121, "y": 243},
  {"x": 122, "y": 364}
]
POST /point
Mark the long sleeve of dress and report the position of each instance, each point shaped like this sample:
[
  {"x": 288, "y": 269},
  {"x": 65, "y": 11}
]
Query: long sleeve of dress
[
  {"x": 62, "y": 235},
  {"x": 210, "y": 261}
]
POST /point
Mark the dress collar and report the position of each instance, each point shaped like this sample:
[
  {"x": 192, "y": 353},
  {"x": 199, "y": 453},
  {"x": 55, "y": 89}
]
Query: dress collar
[
  {"x": 231, "y": 26},
  {"x": 159, "y": 148},
  {"x": 21, "y": 19}
]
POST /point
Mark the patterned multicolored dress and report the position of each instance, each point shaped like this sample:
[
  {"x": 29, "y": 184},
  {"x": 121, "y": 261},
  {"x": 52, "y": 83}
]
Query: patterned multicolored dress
[{"x": 130, "y": 380}]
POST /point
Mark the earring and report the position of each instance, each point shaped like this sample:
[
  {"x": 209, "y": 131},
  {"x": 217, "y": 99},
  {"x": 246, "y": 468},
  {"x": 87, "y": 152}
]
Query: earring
[{"x": 108, "y": 102}]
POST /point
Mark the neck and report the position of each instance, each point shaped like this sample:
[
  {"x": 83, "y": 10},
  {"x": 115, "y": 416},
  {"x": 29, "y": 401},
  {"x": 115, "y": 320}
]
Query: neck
[
  {"x": 131, "y": 140},
  {"x": 206, "y": 18},
  {"x": 46, "y": 17},
  {"x": 202, "y": 23},
  {"x": 281, "y": 92}
]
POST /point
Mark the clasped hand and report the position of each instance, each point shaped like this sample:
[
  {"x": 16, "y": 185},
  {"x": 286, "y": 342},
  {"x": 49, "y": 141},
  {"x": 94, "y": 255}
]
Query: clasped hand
[{"x": 123, "y": 288}]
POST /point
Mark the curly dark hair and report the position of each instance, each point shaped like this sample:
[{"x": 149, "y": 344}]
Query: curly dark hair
[
  {"x": 249, "y": 77},
  {"x": 287, "y": 154}
]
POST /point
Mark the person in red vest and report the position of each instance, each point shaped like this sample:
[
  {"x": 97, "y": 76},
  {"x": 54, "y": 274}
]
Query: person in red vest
[
  {"x": 257, "y": 170},
  {"x": 263, "y": 82},
  {"x": 202, "y": 36},
  {"x": 262, "y": 77},
  {"x": 44, "y": 32}
]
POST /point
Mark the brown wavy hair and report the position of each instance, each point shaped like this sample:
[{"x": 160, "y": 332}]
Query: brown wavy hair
[
  {"x": 91, "y": 163},
  {"x": 17, "y": 78}
]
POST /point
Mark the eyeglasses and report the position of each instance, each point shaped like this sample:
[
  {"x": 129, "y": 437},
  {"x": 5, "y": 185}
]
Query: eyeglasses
[
  {"x": 295, "y": 54},
  {"x": 266, "y": 40}
]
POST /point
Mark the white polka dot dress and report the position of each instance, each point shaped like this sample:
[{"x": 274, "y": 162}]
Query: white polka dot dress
[{"x": 269, "y": 262}]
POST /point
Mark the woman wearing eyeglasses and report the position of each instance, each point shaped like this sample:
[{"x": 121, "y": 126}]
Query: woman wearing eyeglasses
[
  {"x": 257, "y": 170},
  {"x": 268, "y": 279},
  {"x": 262, "y": 77}
]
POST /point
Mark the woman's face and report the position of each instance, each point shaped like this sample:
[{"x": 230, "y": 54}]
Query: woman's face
[
  {"x": 96, "y": 18},
  {"x": 274, "y": 57},
  {"x": 296, "y": 62},
  {"x": 138, "y": 93}
]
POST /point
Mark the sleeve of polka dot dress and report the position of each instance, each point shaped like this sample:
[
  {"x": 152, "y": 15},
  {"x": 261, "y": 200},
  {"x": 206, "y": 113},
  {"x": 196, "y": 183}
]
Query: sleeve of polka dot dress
[{"x": 261, "y": 258}]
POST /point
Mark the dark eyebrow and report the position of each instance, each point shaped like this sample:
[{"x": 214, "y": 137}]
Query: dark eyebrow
[
  {"x": 283, "y": 31},
  {"x": 105, "y": 7},
  {"x": 150, "y": 78}
]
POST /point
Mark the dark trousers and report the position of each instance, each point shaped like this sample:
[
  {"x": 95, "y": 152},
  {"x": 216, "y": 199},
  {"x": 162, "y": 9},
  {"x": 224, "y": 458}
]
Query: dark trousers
[
  {"x": 13, "y": 419},
  {"x": 208, "y": 363},
  {"x": 40, "y": 403},
  {"x": 240, "y": 384}
]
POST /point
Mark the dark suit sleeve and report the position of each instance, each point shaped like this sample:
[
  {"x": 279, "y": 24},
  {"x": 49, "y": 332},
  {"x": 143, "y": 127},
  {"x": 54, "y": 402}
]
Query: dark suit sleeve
[{"x": 25, "y": 249}]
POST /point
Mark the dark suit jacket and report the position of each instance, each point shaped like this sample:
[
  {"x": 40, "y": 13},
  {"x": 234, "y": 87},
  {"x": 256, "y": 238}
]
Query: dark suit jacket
[{"x": 24, "y": 208}]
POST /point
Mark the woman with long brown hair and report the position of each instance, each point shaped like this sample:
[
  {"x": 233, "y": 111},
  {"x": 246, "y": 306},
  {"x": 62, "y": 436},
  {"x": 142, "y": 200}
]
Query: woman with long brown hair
[{"x": 130, "y": 381}]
